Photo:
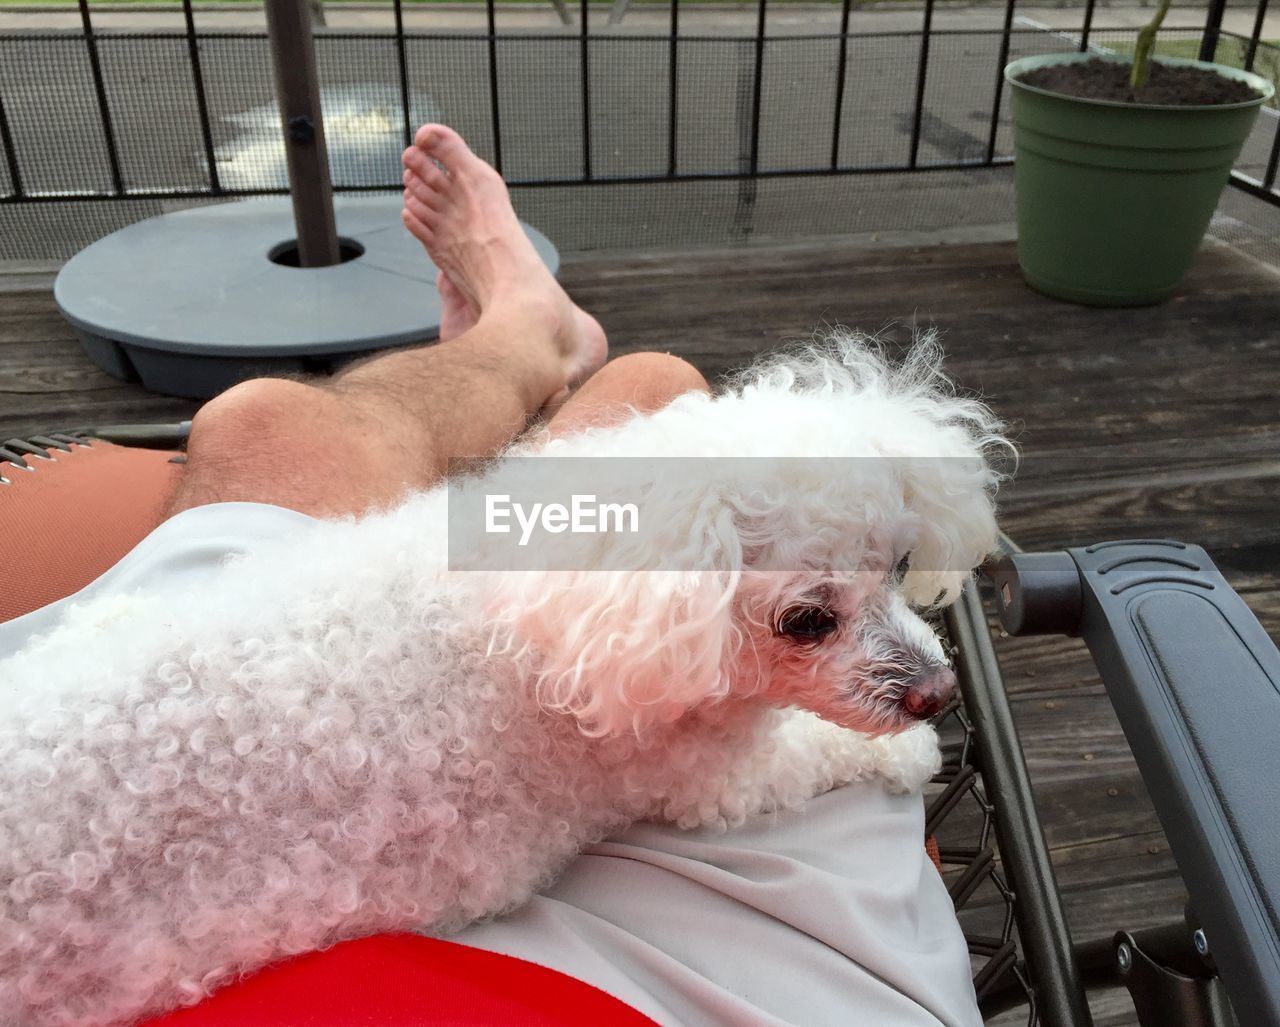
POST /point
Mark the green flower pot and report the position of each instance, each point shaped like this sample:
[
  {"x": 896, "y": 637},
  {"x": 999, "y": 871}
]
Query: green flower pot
[{"x": 1114, "y": 198}]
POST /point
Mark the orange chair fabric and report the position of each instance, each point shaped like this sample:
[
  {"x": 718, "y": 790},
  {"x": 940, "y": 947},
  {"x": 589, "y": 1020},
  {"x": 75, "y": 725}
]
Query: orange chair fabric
[{"x": 69, "y": 518}]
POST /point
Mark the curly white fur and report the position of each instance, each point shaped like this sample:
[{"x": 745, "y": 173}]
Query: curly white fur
[{"x": 340, "y": 737}]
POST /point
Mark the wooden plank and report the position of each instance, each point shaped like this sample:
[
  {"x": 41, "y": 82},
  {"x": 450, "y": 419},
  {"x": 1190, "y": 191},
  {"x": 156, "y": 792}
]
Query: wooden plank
[
  {"x": 1215, "y": 514},
  {"x": 47, "y": 383}
]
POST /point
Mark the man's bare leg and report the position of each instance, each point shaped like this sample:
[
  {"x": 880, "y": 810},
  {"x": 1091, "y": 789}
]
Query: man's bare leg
[
  {"x": 512, "y": 342},
  {"x": 391, "y": 424},
  {"x": 641, "y": 382},
  {"x": 638, "y": 382}
]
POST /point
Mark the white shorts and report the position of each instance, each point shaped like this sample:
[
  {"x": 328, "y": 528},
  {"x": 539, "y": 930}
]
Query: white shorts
[{"x": 830, "y": 916}]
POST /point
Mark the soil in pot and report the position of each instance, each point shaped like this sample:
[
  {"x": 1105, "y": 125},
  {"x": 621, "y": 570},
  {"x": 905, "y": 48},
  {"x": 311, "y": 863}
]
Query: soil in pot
[{"x": 1167, "y": 84}]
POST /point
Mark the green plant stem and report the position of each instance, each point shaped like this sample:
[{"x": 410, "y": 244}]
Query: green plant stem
[{"x": 1142, "y": 50}]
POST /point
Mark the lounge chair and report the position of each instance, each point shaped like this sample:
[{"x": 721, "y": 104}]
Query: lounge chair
[{"x": 1194, "y": 679}]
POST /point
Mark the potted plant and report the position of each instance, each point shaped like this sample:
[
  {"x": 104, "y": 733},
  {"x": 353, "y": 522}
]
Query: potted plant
[{"x": 1119, "y": 165}]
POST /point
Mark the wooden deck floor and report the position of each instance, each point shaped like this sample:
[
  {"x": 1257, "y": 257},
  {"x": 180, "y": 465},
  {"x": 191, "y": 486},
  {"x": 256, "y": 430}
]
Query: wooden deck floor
[{"x": 1159, "y": 422}]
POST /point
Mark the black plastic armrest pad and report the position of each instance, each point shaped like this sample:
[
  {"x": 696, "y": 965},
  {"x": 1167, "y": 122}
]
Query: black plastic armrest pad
[{"x": 1195, "y": 682}]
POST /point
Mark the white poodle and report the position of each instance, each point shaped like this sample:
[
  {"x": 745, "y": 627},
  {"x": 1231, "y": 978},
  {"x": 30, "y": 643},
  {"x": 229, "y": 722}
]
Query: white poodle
[{"x": 340, "y": 736}]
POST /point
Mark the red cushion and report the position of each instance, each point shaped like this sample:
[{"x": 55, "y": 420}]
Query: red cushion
[{"x": 405, "y": 980}]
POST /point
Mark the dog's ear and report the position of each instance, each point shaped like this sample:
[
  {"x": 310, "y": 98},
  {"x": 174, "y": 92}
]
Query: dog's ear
[
  {"x": 622, "y": 650},
  {"x": 629, "y": 627},
  {"x": 953, "y": 502}
]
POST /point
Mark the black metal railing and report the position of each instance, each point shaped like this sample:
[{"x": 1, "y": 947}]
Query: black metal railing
[{"x": 856, "y": 138}]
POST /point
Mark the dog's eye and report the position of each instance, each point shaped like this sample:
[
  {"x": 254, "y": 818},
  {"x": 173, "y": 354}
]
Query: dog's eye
[
  {"x": 900, "y": 569},
  {"x": 807, "y": 623}
]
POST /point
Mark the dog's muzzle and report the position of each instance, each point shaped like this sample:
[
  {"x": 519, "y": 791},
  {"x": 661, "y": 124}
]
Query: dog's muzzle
[{"x": 929, "y": 692}]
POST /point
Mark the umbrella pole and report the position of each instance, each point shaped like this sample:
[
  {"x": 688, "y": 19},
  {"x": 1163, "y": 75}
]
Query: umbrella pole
[{"x": 298, "y": 91}]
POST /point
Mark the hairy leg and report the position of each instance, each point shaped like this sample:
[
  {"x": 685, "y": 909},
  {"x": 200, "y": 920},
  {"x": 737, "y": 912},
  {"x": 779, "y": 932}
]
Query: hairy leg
[
  {"x": 359, "y": 442},
  {"x": 324, "y": 451},
  {"x": 512, "y": 341}
]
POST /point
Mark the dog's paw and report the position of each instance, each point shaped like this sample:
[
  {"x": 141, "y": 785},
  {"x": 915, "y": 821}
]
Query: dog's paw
[{"x": 907, "y": 761}]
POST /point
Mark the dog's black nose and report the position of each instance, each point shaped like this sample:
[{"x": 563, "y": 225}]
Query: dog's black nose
[{"x": 929, "y": 692}]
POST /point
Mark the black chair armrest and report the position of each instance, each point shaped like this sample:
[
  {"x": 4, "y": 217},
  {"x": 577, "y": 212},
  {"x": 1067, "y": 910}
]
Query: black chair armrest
[{"x": 1195, "y": 682}]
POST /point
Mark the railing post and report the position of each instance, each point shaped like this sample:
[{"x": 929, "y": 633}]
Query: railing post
[
  {"x": 673, "y": 89},
  {"x": 1212, "y": 26},
  {"x": 840, "y": 80},
  {"x": 1087, "y": 26},
  {"x": 1251, "y": 53},
  {"x": 1273, "y": 162},
  {"x": 402, "y": 63},
  {"x": 10, "y": 155},
  {"x": 757, "y": 81},
  {"x": 999, "y": 95},
  {"x": 297, "y": 90},
  {"x": 922, "y": 71},
  {"x": 494, "y": 106},
  {"x": 202, "y": 100},
  {"x": 104, "y": 105},
  {"x": 584, "y": 34}
]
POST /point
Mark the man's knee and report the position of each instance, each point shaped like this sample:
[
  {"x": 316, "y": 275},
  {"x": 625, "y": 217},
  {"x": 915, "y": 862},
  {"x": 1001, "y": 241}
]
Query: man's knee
[
  {"x": 272, "y": 440},
  {"x": 258, "y": 415},
  {"x": 661, "y": 375},
  {"x": 305, "y": 447},
  {"x": 643, "y": 382}
]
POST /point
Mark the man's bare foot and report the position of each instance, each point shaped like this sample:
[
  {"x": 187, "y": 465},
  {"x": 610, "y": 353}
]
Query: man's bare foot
[
  {"x": 458, "y": 207},
  {"x": 457, "y": 315}
]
